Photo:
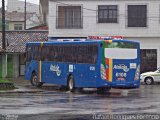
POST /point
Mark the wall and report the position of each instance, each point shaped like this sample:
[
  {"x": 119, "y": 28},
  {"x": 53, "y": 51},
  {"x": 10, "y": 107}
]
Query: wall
[
  {"x": 44, "y": 11},
  {"x": 11, "y": 25},
  {"x": 32, "y": 21},
  {"x": 150, "y": 43},
  {"x": 91, "y": 27},
  {"x": 149, "y": 37},
  {"x": 16, "y": 5}
]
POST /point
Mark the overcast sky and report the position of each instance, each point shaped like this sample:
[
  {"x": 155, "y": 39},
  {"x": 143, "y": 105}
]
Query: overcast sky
[{"x": 31, "y": 1}]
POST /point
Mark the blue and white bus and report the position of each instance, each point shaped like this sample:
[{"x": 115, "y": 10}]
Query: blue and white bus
[{"x": 89, "y": 63}]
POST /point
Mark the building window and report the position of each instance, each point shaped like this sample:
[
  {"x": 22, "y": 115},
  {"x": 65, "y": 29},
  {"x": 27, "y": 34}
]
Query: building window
[
  {"x": 107, "y": 14},
  {"x": 137, "y": 16},
  {"x": 69, "y": 17},
  {"x": 18, "y": 26}
]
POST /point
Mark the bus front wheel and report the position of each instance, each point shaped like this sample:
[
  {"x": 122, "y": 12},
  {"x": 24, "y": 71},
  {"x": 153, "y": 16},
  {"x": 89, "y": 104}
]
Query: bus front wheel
[
  {"x": 71, "y": 84},
  {"x": 34, "y": 80}
]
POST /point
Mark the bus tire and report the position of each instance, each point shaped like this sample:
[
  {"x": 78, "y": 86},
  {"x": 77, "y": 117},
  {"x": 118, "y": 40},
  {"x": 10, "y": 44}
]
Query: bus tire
[
  {"x": 103, "y": 89},
  {"x": 34, "y": 80},
  {"x": 71, "y": 84}
]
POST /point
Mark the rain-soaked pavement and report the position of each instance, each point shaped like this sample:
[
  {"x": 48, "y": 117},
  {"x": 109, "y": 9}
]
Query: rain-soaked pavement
[{"x": 56, "y": 104}]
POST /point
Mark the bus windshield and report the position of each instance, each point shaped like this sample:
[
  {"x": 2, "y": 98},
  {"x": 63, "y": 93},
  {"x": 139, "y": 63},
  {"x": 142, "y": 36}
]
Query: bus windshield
[{"x": 121, "y": 50}]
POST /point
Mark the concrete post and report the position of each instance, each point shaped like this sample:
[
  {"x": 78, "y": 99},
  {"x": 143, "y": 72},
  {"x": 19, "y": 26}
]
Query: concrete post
[
  {"x": 15, "y": 65},
  {"x": 4, "y": 65}
]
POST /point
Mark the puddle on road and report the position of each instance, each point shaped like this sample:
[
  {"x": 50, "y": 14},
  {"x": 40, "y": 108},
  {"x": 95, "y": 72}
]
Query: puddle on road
[{"x": 117, "y": 100}]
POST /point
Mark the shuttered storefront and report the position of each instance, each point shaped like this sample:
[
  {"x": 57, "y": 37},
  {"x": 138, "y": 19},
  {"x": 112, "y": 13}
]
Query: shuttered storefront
[{"x": 148, "y": 60}]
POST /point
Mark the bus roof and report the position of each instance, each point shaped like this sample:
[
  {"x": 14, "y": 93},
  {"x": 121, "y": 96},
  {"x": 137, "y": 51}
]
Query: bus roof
[{"x": 93, "y": 41}]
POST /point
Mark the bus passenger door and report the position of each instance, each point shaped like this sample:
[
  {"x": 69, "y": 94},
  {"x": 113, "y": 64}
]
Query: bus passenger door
[
  {"x": 38, "y": 62},
  {"x": 40, "y": 71}
]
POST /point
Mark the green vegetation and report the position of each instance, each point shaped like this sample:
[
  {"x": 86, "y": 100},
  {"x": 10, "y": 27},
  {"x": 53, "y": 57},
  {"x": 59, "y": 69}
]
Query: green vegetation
[
  {"x": 6, "y": 85},
  {"x": 4, "y": 81},
  {"x": 6, "y": 25},
  {"x": 10, "y": 66}
]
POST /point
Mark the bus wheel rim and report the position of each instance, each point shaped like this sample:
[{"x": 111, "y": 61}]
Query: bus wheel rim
[
  {"x": 71, "y": 84},
  {"x": 35, "y": 79}
]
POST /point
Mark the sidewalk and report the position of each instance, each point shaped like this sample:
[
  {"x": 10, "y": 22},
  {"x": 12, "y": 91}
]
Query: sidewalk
[
  {"x": 22, "y": 86},
  {"x": 21, "y": 82}
]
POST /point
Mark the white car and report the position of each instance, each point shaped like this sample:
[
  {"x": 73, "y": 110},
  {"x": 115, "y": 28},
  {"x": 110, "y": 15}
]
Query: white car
[{"x": 150, "y": 77}]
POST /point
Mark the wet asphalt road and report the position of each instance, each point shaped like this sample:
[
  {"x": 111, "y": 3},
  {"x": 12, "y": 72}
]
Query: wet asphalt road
[{"x": 55, "y": 104}]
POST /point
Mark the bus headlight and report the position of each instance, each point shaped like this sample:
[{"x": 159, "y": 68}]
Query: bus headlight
[
  {"x": 103, "y": 72},
  {"x": 137, "y": 74}
]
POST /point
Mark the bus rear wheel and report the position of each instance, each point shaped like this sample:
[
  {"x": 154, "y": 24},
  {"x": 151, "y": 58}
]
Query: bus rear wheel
[
  {"x": 34, "y": 80},
  {"x": 71, "y": 84},
  {"x": 103, "y": 89}
]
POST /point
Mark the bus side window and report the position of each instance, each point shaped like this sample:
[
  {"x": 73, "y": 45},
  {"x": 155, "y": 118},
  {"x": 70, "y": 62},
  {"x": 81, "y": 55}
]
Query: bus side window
[
  {"x": 60, "y": 56},
  {"x": 47, "y": 53},
  {"x": 44, "y": 53},
  {"x": 29, "y": 54},
  {"x": 94, "y": 53},
  {"x": 37, "y": 53},
  {"x": 50, "y": 53},
  {"x": 55, "y": 53}
]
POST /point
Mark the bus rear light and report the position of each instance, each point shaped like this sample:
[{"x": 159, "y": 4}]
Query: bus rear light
[
  {"x": 103, "y": 72},
  {"x": 137, "y": 74}
]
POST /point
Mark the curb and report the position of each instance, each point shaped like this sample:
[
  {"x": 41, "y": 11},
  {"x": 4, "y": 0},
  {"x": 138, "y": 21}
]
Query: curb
[
  {"x": 8, "y": 86},
  {"x": 11, "y": 92},
  {"x": 19, "y": 89}
]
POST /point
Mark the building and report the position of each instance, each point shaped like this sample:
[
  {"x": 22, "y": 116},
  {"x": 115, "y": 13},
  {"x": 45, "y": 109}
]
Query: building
[
  {"x": 43, "y": 8},
  {"x": 17, "y": 20},
  {"x": 12, "y": 59},
  {"x": 15, "y": 50},
  {"x": 19, "y": 6},
  {"x": 134, "y": 20},
  {"x": 6, "y": 25},
  {"x": 16, "y": 15}
]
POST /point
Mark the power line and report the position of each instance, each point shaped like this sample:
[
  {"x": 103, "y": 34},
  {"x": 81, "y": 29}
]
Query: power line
[
  {"x": 118, "y": 17},
  {"x": 152, "y": 18},
  {"x": 72, "y": 5}
]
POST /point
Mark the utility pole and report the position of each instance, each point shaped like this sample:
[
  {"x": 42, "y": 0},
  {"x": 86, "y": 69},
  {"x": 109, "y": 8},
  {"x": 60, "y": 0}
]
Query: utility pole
[
  {"x": 3, "y": 26},
  {"x": 25, "y": 14},
  {"x": 4, "y": 56}
]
